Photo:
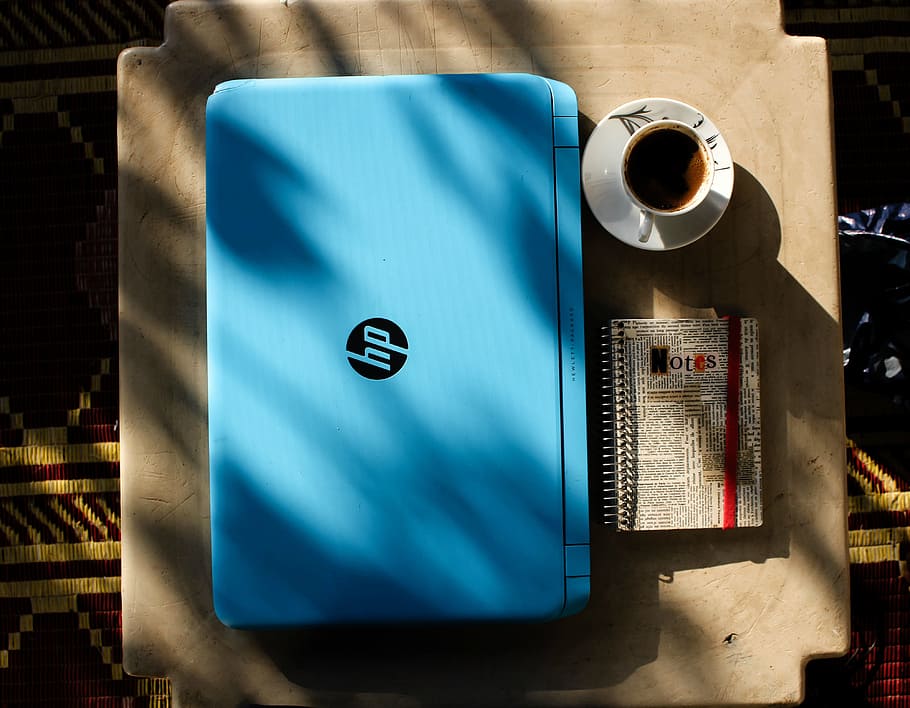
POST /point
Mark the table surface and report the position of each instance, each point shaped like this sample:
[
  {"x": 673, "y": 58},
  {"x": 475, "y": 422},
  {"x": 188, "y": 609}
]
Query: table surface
[{"x": 683, "y": 617}]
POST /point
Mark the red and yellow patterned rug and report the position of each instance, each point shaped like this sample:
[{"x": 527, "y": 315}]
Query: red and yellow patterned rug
[
  {"x": 60, "y": 638},
  {"x": 878, "y": 665}
]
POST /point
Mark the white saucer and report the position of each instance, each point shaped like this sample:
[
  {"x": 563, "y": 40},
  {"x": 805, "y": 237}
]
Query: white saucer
[{"x": 602, "y": 184}]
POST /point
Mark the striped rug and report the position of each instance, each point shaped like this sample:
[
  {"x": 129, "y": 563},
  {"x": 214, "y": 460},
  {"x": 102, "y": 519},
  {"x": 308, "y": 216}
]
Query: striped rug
[
  {"x": 878, "y": 665},
  {"x": 869, "y": 44},
  {"x": 60, "y": 639}
]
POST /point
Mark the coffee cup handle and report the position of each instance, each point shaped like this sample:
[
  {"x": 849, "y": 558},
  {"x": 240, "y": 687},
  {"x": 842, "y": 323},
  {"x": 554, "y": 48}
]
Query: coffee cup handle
[{"x": 645, "y": 226}]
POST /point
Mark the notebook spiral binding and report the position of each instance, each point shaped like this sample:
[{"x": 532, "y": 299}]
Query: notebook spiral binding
[{"x": 618, "y": 444}]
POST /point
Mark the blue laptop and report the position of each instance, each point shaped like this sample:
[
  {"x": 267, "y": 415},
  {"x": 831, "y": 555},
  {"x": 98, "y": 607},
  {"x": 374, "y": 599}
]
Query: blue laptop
[{"x": 395, "y": 350}]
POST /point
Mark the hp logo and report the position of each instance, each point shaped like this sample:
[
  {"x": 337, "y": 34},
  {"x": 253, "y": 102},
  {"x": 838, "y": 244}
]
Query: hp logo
[{"x": 377, "y": 348}]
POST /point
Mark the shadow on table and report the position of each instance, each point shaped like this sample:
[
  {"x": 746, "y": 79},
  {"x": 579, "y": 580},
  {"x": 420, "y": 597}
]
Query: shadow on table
[
  {"x": 628, "y": 568},
  {"x": 457, "y": 664}
]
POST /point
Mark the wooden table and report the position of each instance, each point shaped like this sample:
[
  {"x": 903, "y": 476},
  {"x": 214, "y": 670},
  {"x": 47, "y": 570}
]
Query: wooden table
[{"x": 696, "y": 617}]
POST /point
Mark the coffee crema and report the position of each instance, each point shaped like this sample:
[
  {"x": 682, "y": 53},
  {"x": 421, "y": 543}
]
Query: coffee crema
[{"x": 665, "y": 169}]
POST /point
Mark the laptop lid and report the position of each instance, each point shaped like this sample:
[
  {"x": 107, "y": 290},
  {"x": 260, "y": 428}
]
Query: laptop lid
[{"x": 385, "y": 350}]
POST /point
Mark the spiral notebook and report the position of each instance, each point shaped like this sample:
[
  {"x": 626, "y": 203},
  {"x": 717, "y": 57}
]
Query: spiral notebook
[{"x": 682, "y": 424}]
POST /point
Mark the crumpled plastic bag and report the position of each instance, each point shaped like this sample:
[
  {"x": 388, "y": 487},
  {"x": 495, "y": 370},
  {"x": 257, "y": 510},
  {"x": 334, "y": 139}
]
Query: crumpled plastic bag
[{"x": 875, "y": 293}]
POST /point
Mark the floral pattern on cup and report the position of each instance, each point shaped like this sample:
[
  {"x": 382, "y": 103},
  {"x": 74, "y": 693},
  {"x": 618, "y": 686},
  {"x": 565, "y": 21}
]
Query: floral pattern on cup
[{"x": 640, "y": 117}]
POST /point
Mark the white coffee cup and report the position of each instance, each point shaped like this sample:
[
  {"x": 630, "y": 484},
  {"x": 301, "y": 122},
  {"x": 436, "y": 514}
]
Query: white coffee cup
[{"x": 667, "y": 171}]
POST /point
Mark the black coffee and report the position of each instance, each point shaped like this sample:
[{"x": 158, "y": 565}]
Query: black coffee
[{"x": 665, "y": 169}]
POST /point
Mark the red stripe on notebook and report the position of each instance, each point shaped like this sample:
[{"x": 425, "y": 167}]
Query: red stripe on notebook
[{"x": 731, "y": 447}]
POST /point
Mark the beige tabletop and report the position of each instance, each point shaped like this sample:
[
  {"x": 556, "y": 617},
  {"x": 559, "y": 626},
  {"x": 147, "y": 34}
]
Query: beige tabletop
[{"x": 694, "y": 617}]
